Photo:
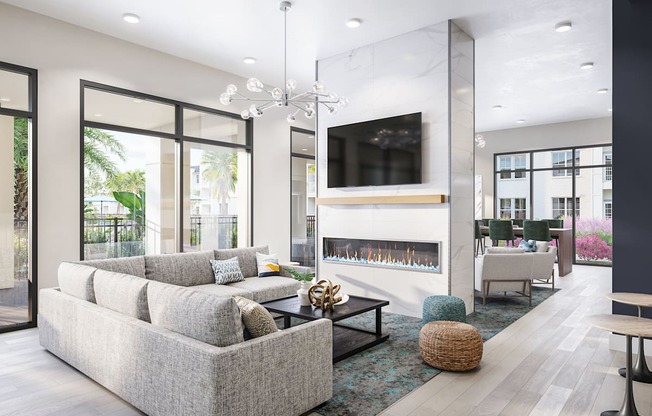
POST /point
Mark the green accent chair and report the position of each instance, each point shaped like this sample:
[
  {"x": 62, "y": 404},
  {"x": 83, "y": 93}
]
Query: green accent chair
[
  {"x": 501, "y": 230},
  {"x": 518, "y": 222},
  {"x": 536, "y": 230},
  {"x": 555, "y": 224},
  {"x": 479, "y": 238},
  {"x": 443, "y": 308}
]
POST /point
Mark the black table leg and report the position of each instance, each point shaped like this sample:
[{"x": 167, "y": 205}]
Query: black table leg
[
  {"x": 286, "y": 321},
  {"x": 629, "y": 407},
  {"x": 379, "y": 322},
  {"x": 640, "y": 372}
]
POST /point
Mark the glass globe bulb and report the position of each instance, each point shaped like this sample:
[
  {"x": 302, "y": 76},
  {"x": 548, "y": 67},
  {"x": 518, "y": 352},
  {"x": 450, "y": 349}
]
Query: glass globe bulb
[
  {"x": 481, "y": 144},
  {"x": 343, "y": 102},
  {"x": 291, "y": 118},
  {"x": 253, "y": 85},
  {"x": 310, "y": 106},
  {"x": 225, "y": 98},
  {"x": 291, "y": 85},
  {"x": 231, "y": 89},
  {"x": 479, "y": 138},
  {"x": 332, "y": 110},
  {"x": 245, "y": 114},
  {"x": 318, "y": 86},
  {"x": 332, "y": 97},
  {"x": 276, "y": 93},
  {"x": 279, "y": 103},
  {"x": 310, "y": 113}
]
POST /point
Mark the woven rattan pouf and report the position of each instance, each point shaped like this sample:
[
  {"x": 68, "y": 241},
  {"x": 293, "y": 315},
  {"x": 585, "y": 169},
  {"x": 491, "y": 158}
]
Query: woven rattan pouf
[{"x": 452, "y": 346}]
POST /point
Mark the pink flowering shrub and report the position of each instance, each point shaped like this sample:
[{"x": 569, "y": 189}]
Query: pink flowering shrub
[{"x": 594, "y": 238}]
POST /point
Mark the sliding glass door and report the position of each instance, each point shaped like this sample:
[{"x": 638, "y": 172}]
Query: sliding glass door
[{"x": 17, "y": 197}]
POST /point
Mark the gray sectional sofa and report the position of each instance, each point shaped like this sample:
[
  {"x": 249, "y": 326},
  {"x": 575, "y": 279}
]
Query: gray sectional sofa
[{"x": 158, "y": 332}]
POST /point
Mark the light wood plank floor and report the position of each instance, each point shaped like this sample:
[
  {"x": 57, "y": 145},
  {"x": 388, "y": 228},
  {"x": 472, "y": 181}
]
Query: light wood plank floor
[{"x": 546, "y": 364}]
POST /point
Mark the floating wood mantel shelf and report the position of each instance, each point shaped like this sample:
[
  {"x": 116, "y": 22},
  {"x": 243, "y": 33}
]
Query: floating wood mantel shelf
[{"x": 377, "y": 200}]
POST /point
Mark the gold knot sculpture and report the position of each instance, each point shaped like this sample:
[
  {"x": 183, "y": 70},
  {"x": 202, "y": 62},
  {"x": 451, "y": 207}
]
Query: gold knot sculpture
[{"x": 324, "y": 294}]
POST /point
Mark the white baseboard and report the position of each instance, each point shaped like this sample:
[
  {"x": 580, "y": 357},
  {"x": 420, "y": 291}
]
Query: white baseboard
[{"x": 617, "y": 343}]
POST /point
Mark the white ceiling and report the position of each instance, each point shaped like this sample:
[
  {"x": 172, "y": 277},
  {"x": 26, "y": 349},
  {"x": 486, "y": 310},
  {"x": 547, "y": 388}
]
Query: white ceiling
[{"x": 521, "y": 62}]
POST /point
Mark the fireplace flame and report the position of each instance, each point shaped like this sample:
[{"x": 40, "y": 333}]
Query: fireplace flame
[{"x": 361, "y": 252}]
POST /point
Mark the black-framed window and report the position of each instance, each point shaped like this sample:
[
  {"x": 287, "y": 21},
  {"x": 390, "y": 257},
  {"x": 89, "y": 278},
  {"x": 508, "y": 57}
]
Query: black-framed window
[
  {"x": 585, "y": 206},
  {"x": 161, "y": 176},
  {"x": 18, "y": 197}
]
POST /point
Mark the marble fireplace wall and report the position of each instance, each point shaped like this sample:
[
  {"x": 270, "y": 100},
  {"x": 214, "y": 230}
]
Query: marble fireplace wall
[{"x": 405, "y": 74}]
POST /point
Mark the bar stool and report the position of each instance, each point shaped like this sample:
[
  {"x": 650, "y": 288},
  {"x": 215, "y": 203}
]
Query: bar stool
[{"x": 479, "y": 238}]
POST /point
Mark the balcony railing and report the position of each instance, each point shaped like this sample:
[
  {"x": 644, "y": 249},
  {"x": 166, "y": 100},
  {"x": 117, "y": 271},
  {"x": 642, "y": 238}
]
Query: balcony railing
[{"x": 310, "y": 225}]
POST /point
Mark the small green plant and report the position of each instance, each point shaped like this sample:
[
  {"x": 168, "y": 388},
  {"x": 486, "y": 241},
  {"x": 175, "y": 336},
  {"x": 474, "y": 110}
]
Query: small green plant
[{"x": 302, "y": 277}]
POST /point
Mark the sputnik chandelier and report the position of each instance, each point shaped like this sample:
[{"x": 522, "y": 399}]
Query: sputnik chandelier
[{"x": 305, "y": 102}]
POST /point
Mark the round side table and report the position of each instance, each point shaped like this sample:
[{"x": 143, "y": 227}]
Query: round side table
[
  {"x": 640, "y": 371},
  {"x": 630, "y": 326}
]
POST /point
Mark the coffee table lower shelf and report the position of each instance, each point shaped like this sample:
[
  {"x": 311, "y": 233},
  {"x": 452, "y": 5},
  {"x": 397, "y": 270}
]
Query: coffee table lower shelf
[{"x": 349, "y": 341}]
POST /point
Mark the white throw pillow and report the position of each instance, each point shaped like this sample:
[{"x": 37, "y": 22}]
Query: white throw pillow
[
  {"x": 542, "y": 246},
  {"x": 267, "y": 265}
]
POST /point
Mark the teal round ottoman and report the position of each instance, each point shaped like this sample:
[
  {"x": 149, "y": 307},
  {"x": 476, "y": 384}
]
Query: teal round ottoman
[{"x": 443, "y": 308}]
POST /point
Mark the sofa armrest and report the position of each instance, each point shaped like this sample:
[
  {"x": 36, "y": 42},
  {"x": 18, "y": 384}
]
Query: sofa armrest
[{"x": 300, "y": 269}]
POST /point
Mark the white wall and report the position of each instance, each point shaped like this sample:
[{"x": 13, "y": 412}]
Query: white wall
[
  {"x": 405, "y": 74},
  {"x": 63, "y": 54},
  {"x": 547, "y": 136}
]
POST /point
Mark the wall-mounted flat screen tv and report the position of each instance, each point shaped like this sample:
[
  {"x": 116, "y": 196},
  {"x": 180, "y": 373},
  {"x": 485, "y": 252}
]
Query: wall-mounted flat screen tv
[{"x": 379, "y": 152}]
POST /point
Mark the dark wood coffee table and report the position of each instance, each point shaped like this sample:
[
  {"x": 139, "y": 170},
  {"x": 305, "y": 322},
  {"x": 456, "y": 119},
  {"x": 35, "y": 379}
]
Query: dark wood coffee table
[{"x": 346, "y": 340}]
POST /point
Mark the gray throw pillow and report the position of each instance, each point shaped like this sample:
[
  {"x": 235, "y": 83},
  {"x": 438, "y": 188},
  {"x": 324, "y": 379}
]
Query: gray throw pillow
[
  {"x": 227, "y": 271},
  {"x": 255, "y": 317}
]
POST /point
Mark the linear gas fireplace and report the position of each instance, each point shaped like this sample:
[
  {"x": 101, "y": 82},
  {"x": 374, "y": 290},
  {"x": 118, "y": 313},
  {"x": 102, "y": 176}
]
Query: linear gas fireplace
[{"x": 406, "y": 255}]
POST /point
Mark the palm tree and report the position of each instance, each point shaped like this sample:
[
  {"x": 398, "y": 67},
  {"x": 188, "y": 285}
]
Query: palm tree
[
  {"x": 220, "y": 170},
  {"x": 129, "y": 181},
  {"x": 21, "y": 165},
  {"x": 97, "y": 144}
]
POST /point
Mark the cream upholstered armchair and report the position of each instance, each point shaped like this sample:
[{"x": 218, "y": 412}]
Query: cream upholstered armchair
[{"x": 511, "y": 272}]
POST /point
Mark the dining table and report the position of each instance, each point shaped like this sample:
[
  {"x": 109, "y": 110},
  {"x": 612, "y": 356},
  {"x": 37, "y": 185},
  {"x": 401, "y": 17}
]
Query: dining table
[{"x": 564, "y": 237}]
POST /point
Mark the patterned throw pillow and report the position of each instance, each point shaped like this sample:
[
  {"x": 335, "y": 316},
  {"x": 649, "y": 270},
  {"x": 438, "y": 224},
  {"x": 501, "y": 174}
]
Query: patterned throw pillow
[
  {"x": 267, "y": 265},
  {"x": 255, "y": 317},
  {"x": 226, "y": 271}
]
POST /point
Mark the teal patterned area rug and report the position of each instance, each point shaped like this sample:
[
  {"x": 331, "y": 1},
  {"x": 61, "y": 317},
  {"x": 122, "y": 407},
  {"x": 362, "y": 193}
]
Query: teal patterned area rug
[{"x": 369, "y": 382}]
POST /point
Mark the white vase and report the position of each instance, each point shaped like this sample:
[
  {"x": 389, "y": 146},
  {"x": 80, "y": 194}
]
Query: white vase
[{"x": 303, "y": 293}]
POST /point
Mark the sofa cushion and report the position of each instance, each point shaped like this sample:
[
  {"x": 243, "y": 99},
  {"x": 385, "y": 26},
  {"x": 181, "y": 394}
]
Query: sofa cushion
[
  {"x": 267, "y": 265},
  {"x": 255, "y": 317},
  {"x": 269, "y": 288},
  {"x": 223, "y": 290},
  {"x": 77, "y": 280},
  {"x": 542, "y": 246},
  {"x": 226, "y": 271},
  {"x": 122, "y": 293},
  {"x": 211, "y": 319},
  {"x": 134, "y": 266},
  {"x": 181, "y": 269},
  {"x": 246, "y": 258}
]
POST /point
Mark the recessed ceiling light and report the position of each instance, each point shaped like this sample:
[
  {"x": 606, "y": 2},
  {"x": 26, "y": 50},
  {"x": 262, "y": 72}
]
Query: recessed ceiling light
[
  {"x": 98, "y": 115},
  {"x": 131, "y": 18},
  {"x": 520, "y": 121},
  {"x": 563, "y": 27},
  {"x": 497, "y": 107},
  {"x": 5, "y": 99},
  {"x": 304, "y": 150},
  {"x": 353, "y": 23},
  {"x": 603, "y": 90},
  {"x": 249, "y": 60},
  {"x": 586, "y": 65}
]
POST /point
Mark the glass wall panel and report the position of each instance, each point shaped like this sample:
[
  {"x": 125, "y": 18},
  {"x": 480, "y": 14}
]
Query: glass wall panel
[
  {"x": 593, "y": 227},
  {"x": 513, "y": 194},
  {"x": 123, "y": 110},
  {"x": 129, "y": 194},
  {"x": 216, "y": 197},
  {"x": 303, "y": 207},
  {"x": 14, "y": 90},
  {"x": 214, "y": 127},
  {"x": 14, "y": 220}
]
